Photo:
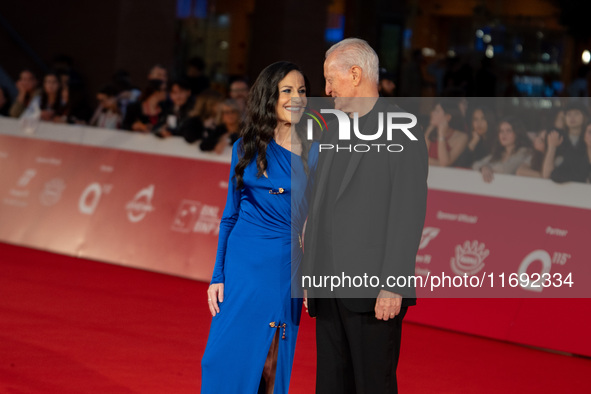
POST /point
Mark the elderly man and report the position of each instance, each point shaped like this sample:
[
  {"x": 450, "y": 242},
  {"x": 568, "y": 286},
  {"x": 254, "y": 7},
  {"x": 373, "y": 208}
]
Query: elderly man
[{"x": 366, "y": 217}]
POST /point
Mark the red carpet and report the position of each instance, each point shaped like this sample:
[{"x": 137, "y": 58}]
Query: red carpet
[{"x": 74, "y": 326}]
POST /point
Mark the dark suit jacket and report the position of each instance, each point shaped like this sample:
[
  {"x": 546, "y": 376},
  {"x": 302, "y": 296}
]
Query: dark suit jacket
[{"x": 378, "y": 217}]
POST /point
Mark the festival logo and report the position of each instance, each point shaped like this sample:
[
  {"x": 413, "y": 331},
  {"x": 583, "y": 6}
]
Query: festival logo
[
  {"x": 428, "y": 234},
  {"x": 26, "y": 177},
  {"x": 196, "y": 217},
  {"x": 537, "y": 256},
  {"x": 91, "y": 196},
  {"x": 18, "y": 197},
  {"x": 138, "y": 208},
  {"x": 469, "y": 258},
  {"x": 208, "y": 221},
  {"x": 52, "y": 192}
]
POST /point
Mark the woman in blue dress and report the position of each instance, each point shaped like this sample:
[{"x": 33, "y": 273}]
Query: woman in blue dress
[{"x": 255, "y": 321}]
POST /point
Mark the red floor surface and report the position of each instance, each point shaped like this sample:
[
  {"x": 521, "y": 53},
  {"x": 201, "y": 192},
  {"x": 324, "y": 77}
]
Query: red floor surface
[{"x": 74, "y": 326}]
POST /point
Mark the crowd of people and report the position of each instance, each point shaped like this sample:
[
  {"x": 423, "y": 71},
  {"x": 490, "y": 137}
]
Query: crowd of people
[
  {"x": 186, "y": 107},
  {"x": 464, "y": 136},
  {"x": 459, "y": 133}
]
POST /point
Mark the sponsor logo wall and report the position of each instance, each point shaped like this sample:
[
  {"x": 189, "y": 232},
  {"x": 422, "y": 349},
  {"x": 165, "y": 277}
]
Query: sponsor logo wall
[
  {"x": 148, "y": 211},
  {"x": 507, "y": 244},
  {"x": 161, "y": 212}
]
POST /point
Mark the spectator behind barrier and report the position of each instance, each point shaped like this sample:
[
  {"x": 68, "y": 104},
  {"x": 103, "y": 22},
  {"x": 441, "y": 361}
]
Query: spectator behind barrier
[
  {"x": 27, "y": 89},
  {"x": 576, "y": 164},
  {"x": 107, "y": 114},
  {"x": 566, "y": 145},
  {"x": 559, "y": 120},
  {"x": 49, "y": 102},
  {"x": 146, "y": 113},
  {"x": 227, "y": 132},
  {"x": 76, "y": 108},
  {"x": 158, "y": 72},
  {"x": 482, "y": 136},
  {"x": 533, "y": 167},
  {"x": 204, "y": 117},
  {"x": 127, "y": 92},
  {"x": 239, "y": 93},
  {"x": 445, "y": 139},
  {"x": 512, "y": 148},
  {"x": 176, "y": 110}
]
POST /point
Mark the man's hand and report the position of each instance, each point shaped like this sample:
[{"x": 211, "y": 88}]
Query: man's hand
[{"x": 387, "y": 305}]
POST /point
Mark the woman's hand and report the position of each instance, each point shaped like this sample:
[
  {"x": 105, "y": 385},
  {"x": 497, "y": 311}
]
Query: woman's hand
[
  {"x": 540, "y": 142},
  {"x": 209, "y": 123},
  {"x": 554, "y": 139},
  {"x": 60, "y": 119},
  {"x": 487, "y": 174},
  {"x": 22, "y": 92},
  {"x": 165, "y": 133},
  {"x": 47, "y": 115},
  {"x": 139, "y": 126},
  {"x": 215, "y": 294}
]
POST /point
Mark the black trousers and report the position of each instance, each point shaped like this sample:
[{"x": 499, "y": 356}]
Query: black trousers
[{"x": 356, "y": 353}]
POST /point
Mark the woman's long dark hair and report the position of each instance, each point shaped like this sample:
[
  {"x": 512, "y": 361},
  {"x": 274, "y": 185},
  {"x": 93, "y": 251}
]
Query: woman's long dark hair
[
  {"x": 491, "y": 125},
  {"x": 521, "y": 138},
  {"x": 451, "y": 107},
  {"x": 261, "y": 120},
  {"x": 153, "y": 86},
  {"x": 57, "y": 106}
]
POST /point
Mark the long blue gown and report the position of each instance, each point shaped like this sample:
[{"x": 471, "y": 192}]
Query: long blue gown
[{"x": 259, "y": 252}]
